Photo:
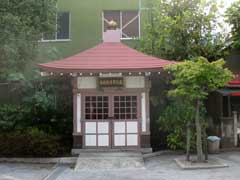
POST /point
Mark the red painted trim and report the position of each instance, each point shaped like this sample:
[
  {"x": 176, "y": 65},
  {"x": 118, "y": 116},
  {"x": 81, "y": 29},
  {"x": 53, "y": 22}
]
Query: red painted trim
[
  {"x": 235, "y": 94},
  {"x": 234, "y": 82}
]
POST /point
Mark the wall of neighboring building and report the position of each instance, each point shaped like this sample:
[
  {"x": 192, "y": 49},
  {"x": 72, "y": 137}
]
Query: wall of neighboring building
[
  {"x": 233, "y": 61},
  {"x": 86, "y": 27},
  {"x": 86, "y": 24},
  {"x": 221, "y": 104}
]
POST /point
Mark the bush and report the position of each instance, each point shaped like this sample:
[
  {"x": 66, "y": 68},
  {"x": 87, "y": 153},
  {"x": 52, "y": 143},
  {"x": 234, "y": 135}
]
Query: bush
[
  {"x": 11, "y": 117},
  {"x": 31, "y": 143},
  {"x": 41, "y": 125},
  {"x": 173, "y": 120},
  {"x": 37, "y": 111}
]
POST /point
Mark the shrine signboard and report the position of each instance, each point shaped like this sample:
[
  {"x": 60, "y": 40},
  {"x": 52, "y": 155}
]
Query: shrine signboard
[{"x": 111, "y": 82}]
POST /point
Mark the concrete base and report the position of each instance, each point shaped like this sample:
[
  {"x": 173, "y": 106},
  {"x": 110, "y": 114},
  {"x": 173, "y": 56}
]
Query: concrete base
[
  {"x": 109, "y": 160},
  {"x": 190, "y": 165},
  {"x": 141, "y": 150},
  {"x": 230, "y": 149}
]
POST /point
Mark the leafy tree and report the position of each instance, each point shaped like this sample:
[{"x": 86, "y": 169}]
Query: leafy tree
[
  {"x": 183, "y": 29},
  {"x": 194, "y": 80},
  {"x": 22, "y": 23},
  {"x": 178, "y": 114},
  {"x": 233, "y": 18}
]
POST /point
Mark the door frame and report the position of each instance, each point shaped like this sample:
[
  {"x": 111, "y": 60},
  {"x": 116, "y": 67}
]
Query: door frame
[{"x": 111, "y": 120}]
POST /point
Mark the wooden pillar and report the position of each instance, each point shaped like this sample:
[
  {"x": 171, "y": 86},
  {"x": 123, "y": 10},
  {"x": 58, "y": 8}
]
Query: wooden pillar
[
  {"x": 77, "y": 133},
  {"x": 235, "y": 122}
]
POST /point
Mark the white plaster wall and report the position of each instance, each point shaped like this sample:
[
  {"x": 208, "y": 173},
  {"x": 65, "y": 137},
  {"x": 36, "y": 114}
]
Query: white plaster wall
[
  {"x": 135, "y": 82},
  {"x": 143, "y": 111},
  {"x": 103, "y": 140},
  {"x": 87, "y": 83},
  {"x": 132, "y": 127},
  {"x": 119, "y": 140},
  {"x": 132, "y": 140},
  {"x": 90, "y": 140},
  {"x": 112, "y": 36},
  {"x": 79, "y": 110},
  {"x": 119, "y": 127},
  {"x": 91, "y": 127},
  {"x": 103, "y": 127}
]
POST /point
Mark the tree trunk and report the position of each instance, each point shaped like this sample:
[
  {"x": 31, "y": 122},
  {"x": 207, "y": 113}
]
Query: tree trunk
[
  {"x": 205, "y": 144},
  {"x": 199, "y": 134},
  {"x": 188, "y": 142}
]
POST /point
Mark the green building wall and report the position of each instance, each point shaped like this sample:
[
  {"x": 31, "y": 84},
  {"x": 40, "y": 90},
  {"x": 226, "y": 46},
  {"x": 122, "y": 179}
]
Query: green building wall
[{"x": 86, "y": 25}]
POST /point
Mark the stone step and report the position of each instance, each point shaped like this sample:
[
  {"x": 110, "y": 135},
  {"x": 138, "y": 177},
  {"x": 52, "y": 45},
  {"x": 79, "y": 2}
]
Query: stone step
[
  {"x": 109, "y": 160},
  {"x": 142, "y": 150}
]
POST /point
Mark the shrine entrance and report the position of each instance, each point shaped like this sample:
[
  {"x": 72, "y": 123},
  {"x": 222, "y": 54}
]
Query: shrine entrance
[{"x": 111, "y": 121}]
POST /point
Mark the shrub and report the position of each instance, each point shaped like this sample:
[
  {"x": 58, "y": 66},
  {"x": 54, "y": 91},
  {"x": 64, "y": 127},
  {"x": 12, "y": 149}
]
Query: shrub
[
  {"x": 41, "y": 124},
  {"x": 173, "y": 120},
  {"x": 31, "y": 143},
  {"x": 11, "y": 117},
  {"x": 37, "y": 111}
]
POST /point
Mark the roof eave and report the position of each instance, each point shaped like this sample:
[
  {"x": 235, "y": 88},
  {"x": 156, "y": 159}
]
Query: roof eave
[{"x": 64, "y": 70}]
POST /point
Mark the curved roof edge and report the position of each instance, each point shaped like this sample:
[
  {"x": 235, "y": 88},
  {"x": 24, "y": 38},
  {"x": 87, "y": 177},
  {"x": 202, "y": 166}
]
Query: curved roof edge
[{"x": 107, "y": 57}]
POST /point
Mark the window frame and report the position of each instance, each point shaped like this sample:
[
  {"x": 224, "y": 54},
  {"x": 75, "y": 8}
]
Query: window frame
[
  {"x": 121, "y": 26},
  {"x": 102, "y": 107},
  {"x": 122, "y": 99},
  {"x": 56, "y": 31}
]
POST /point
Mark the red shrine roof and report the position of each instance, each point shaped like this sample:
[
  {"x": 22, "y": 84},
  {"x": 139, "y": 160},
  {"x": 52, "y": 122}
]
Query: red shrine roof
[{"x": 107, "y": 57}]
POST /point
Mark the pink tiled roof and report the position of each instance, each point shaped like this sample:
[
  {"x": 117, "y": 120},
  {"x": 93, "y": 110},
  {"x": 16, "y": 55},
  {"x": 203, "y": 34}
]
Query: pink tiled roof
[{"x": 107, "y": 57}]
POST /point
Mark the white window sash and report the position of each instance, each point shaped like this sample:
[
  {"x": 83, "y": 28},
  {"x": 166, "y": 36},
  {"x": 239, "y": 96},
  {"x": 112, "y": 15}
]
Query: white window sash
[{"x": 56, "y": 31}]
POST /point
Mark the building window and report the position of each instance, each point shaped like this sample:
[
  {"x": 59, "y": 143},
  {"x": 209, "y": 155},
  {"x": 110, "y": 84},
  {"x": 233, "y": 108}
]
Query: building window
[
  {"x": 128, "y": 22},
  {"x": 125, "y": 107},
  {"x": 62, "y": 31},
  {"x": 96, "y": 107}
]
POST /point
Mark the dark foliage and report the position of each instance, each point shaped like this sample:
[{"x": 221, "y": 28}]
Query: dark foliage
[
  {"x": 43, "y": 117},
  {"x": 31, "y": 143}
]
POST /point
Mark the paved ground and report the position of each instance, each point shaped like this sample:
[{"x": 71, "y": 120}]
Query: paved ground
[
  {"x": 11, "y": 171},
  {"x": 109, "y": 160},
  {"x": 157, "y": 168},
  {"x": 162, "y": 168}
]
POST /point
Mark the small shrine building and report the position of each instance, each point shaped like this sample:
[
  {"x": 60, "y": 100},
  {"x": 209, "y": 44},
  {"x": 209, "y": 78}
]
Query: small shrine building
[{"x": 110, "y": 94}]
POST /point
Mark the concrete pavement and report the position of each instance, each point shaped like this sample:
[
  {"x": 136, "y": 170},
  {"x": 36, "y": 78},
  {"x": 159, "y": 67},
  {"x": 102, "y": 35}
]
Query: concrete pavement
[
  {"x": 12, "y": 171},
  {"x": 160, "y": 167},
  {"x": 109, "y": 160}
]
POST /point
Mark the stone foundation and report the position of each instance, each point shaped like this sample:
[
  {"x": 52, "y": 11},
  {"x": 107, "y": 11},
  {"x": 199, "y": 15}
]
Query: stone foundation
[{"x": 78, "y": 141}]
